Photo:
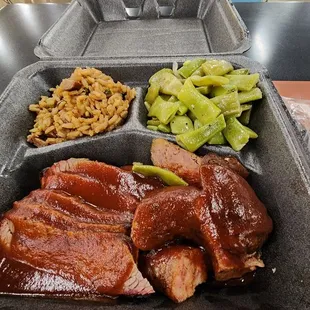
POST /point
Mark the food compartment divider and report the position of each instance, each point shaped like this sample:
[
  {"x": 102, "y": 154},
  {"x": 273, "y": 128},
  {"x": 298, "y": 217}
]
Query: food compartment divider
[
  {"x": 145, "y": 28},
  {"x": 279, "y": 176}
]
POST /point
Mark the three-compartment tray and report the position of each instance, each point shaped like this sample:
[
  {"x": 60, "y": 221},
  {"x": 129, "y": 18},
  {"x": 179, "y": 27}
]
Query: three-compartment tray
[
  {"x": 145, "y": 28},
  {"x": 279, "y": 176}
]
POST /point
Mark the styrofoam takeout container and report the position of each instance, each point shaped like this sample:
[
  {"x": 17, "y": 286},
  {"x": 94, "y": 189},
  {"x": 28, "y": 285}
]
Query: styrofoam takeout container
[{"x": 279, "y": 176}]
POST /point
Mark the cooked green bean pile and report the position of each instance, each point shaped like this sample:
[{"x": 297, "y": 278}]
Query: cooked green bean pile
[{"x": 205, "y": 101}]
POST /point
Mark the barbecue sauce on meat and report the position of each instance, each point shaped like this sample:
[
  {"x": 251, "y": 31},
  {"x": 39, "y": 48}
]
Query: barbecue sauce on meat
[
  {"x": 20, "y": 278},
  {"x": 103, "y": 185},
  {"x": 225, "y": 217},
  {"x": 66, "y": 254}
]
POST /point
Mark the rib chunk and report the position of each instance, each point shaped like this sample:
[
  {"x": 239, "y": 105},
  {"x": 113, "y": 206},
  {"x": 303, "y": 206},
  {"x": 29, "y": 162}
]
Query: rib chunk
[
  {"x": 77, "y": 208},
  {"x": 175, "y": 270},
  {"x": 99, "y": 261},
  {"x": 102, "y": 185},
  {"x": 226, "y": 218}
]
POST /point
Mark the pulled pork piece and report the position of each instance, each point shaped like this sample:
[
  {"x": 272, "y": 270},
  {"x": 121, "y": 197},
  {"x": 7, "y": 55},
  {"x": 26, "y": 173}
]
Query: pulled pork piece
[{"x": 175, "y": 270}]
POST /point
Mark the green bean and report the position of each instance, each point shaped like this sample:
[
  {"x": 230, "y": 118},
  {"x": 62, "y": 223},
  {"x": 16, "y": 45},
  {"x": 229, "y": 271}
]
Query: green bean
[
  {"x": 165, "y": 97},
  {"x": 169, "y": 84},
  {"x": 209, "y": 80},
  {"x": 243, "y": 82},
  {"x": 147, "y": 105},
  {"x": 182, "y": 108},
  {"x": 217, "y": 139},
  {"x": 154, "y": 128},
  {"x": 204, "y": 90},
  {"x": 173, "y": 99},
  {"x": 242, "y": 71},
  {"x": 152, "y": 93},
  {"x": 244, "y": 119},
  {"x": 181, "y": 124},
  {"x": 222, "y": 90},
  {"x": 198, "y": 72},
  {"x": 236, "y": 134},
  {"x": 245, "y": 107},
  {"x": 228, "y": 103},
  {"x": 163, "y": 110},
  {"x": 191, "y": 115},
  {"x": 153, "y": 122},
  {"x": 164, "y": 128},
  {"x": 253, "y": 94},
  {"x": 216, "y": 67},
  {"x": 168, "y": 177},
  {"x": 190, "y": 67},
  {"x": 193, "y": 140},
  {"x": 197, "y": 124},
  {"x": 202, "y": 107},
  {"x": 252, "y": 133},
  {"x": 156, "y": 77}
]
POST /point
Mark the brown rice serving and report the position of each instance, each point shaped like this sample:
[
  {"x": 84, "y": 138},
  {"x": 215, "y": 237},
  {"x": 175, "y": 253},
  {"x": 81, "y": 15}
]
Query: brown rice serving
[{"x": 87, "y": 103}]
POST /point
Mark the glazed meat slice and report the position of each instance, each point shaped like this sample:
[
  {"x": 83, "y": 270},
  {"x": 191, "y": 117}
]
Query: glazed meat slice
[
  {"x": 99, "y": 261},
  {"x": 229, "y": 162},
  {"x": 77, "y": 208},
  {"x": 20, "y": 278},
  {"x": 167, "y": 155},
  {"x": 241, "y": 218},
  {"x": 226, "y": 218},
  {"x": 175, "y": 270},
  {"x": 41, "y": 213},
  {"x": 102, "y": 185},
  {"x": 164, "y": 216}
]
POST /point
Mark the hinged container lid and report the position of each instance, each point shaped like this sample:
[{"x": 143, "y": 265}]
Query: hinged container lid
[{"x": 145, "y": 28}]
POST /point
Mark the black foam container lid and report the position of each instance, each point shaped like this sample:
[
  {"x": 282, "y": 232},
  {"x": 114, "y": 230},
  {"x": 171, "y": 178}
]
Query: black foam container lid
[
  {"x": 145, "y": 28},
  {"x": 277, "y": 163}
]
